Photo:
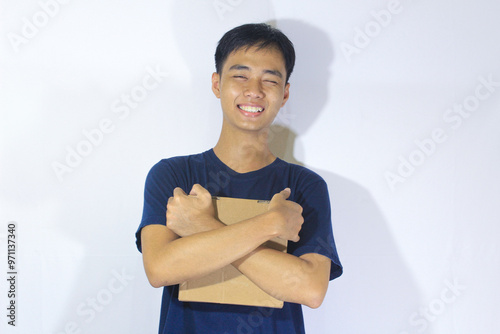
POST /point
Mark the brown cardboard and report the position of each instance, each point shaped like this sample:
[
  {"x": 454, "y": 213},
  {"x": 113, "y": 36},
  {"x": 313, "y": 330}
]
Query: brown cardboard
[{"x": 228, "y": 285}]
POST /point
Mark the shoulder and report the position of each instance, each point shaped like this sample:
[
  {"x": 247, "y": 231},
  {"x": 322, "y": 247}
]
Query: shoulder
[
  {"x": 176, "y": 171},
  {"x": 303, "y": 176},
  {"x": 178, "y": 163}
]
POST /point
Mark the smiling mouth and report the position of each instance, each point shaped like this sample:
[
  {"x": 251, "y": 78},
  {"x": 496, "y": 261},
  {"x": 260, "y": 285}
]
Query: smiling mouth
[{"x": 250, "y": 109}]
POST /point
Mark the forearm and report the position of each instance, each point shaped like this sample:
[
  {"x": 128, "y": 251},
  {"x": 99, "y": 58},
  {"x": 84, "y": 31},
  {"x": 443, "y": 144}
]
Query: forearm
[
  {"x": 285, "y": 276},
  {"x": 202, "y": 253}
]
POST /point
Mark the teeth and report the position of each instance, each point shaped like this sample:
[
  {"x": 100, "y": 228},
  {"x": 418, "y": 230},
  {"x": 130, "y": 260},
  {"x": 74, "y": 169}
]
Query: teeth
[{"x": 251, "y": 109}]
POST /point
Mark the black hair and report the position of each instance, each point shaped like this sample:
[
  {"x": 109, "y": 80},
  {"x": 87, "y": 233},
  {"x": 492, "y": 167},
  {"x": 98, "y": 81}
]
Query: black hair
[{"x": 260, "y": 35}]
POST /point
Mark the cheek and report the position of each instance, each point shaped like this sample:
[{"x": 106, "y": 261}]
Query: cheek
[
  {"x": 230, "y": 93},
  {"x": 278, "y": 98}
]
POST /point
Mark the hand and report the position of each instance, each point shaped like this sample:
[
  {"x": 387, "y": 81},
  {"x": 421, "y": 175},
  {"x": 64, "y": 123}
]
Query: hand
[
  {"x": 190, "y": 214},
  {"x": 287, "y": 216}
]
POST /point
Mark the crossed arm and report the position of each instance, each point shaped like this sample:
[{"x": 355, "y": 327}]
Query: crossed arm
[{"x": 194, "y": 244}]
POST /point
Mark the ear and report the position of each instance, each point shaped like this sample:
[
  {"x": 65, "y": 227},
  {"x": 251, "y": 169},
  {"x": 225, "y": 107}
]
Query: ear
[
  {"x": 286, "y": 94},
  {"x": 216, "y": 84}
]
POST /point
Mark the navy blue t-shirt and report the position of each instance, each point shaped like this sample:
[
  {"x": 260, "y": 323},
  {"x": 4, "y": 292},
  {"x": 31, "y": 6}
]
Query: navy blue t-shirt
[{"x": 307, "y": 189}]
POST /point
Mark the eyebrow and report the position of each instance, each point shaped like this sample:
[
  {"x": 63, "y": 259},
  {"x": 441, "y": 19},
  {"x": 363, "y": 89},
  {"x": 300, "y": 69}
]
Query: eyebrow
[{"x": 243, "y": 67}]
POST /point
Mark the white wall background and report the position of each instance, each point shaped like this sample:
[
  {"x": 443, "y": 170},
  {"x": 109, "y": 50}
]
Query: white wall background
[{"x": 394, "y": 111}]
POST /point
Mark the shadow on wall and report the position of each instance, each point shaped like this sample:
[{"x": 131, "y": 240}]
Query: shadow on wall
[{"x": 376, "y": 293}]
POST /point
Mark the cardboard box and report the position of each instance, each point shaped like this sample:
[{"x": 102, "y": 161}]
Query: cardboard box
[{"x": 228, "y": 285}]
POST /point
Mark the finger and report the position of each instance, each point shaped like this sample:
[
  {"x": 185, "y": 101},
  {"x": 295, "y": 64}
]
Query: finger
[
  {"x": 179, "y": 192},
  {"x": 198, "y": 190},
  {"x": 286, "y": 193}
]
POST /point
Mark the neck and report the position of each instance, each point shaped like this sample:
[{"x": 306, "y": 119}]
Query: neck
[{"x": 244, "y": 152}]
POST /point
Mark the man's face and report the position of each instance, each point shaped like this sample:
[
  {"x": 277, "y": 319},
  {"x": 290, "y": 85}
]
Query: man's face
[{"x": 251, "y": 88}]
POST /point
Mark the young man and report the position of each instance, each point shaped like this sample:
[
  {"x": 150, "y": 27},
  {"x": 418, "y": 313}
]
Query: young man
[{"x": 179, "y": 237}]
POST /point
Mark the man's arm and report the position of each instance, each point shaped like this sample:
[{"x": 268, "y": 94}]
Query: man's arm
[
  {"x": 207, "y": 244},
  {"x": 303, "y": 280},
  {"x": 170, "y": 260},
  {"x": 286, "y": 277}
]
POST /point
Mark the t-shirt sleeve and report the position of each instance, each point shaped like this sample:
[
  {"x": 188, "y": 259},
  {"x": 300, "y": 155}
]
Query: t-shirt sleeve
[
  {"x": 316, "y": 235},
  {"x": 159, "y": 187}
]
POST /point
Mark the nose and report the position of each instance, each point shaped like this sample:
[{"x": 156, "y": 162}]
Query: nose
[{"x": 254, "y": 89}]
